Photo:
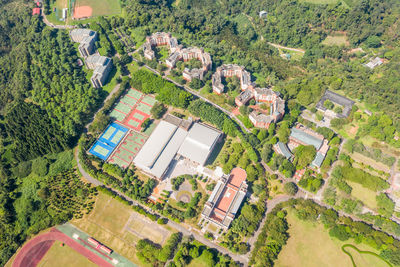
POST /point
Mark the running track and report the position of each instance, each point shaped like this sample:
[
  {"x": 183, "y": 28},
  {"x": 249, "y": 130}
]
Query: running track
[{"x": 33, "y": 251}]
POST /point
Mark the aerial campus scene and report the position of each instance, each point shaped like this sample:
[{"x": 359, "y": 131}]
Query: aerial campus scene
[{"x": 200, "y": 133}]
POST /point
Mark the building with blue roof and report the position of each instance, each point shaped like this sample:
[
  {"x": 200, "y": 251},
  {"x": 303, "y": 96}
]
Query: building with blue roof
[
  {"x": 301, "y": 135},
  {"x": 282, "y": 149}
]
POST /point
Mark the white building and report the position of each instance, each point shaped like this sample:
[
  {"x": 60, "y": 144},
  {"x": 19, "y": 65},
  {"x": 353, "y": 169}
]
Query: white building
[{"x": 172, "y": 139}]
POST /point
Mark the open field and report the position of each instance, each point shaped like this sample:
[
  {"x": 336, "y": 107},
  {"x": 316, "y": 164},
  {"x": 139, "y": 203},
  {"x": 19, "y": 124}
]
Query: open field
[
  {"x": 310, "y": 245},
  {"x": 109, "y": 222},
  {"x": 367, "y": 196},
  {"x": 364, "y": 258},
  {"x": 336, "y": 40},
  {"x": 64, "y": 256},
  {"x": 89, "y": 8}
]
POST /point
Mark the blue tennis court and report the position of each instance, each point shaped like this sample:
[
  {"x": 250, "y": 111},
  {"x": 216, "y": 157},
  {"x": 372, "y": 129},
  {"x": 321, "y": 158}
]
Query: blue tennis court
[
  {"x": 113, "y": 134},
  {"x": 110, "y": 138},
  {"x": 101, "y": 150}
]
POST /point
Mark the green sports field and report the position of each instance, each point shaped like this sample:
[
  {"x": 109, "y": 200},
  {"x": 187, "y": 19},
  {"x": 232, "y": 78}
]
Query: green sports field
[{"x": 101, "y": 7}]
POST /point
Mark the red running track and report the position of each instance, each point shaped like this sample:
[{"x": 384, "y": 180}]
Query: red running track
[{"x": 33, "y": 251}]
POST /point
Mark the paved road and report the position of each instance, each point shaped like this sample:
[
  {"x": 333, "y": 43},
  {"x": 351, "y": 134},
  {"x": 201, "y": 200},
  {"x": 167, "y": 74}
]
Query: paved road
[
  {"x": 48, "y": 23},
  {"x": 287, "y": 48},
  {"x": 188, "y": 89},
  {"x": 189, "y": 232},
  {"x": 116, "y": 88}
]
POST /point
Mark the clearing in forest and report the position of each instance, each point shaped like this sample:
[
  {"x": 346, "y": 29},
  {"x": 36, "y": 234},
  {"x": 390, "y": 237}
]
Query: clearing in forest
[{"x": 336, "y": 40}]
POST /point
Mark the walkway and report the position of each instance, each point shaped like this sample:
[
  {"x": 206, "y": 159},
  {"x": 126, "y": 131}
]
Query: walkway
[
  {"x": 189, "y": 232},
  {"x": 48, "y": 23},
  {"x": 188, "y": 89}
]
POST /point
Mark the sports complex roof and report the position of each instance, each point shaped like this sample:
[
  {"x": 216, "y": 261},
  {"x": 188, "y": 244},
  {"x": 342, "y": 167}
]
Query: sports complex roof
[
  {"x": 199, "y": 143},
  {"x": 169, "y": 139},
  {"x": 160, "y": 149}
]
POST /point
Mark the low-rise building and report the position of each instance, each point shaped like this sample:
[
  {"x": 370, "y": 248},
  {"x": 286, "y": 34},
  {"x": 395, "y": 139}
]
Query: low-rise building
[
  {"x": 281, "y": 148},
  {"x": 226, "y": 198},
  {"x": 301, "y": 135},
  {"x": 340, "y": 100},
  {"x": 374, "y": 63}
]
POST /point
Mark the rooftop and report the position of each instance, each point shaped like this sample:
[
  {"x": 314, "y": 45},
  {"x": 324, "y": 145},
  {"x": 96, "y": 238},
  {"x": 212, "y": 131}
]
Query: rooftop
[
  {"x": 199, "y": 143},
  {"x": 306, "y": 138}
]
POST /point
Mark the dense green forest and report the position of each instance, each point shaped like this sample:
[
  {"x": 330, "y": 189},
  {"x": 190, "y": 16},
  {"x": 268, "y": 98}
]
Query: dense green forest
[
  {"x": 232, "y": 32},
  {"x": 45, "y": 99}
]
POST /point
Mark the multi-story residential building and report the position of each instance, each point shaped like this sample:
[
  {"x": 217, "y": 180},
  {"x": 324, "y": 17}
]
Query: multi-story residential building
[
  {"x": 86, "y": 38},
  {"x": 159, "y": 39},
  {"x": 230, "y": 70},
  {"x": 260, "y": 118},
  {"x": 100, "y": 65},
  {"x": 101, "y": 69},
  {"x": 178, "y": 53}
]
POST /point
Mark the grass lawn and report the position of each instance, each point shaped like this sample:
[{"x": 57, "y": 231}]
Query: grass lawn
[
  {"x": 101, "y": 7},
  {"x": 336, "y": 40},
  {"x": 365, "y": 195},
  {"x": 294, "y": 55},
  {"x": 198, "y": 262},
  {"x": 275, "y": 188},
  {"x": 372, "y": 142},
  {"x": 310, "y": 245},
  {"x": 64, "y": 256},
  {"x": 133, "y": 67},
  {"x": 106, "y": 223},
  {"x": 112, "y": 80}
]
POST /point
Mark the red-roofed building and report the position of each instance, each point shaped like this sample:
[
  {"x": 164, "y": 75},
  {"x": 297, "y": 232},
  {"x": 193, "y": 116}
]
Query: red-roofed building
[
  {"x": 36, "y": 11},
  {"x": 226, "y": 199},
  {"x": 38, "y": 4}
]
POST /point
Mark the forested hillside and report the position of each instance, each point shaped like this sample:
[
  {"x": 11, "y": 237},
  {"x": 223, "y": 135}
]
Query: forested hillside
[
  {"x": 45, "y": 99},
  {"x": 233, "y": 32}
]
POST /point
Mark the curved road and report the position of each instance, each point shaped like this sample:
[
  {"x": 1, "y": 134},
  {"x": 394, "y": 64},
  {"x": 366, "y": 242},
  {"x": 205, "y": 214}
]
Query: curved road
[{"x": 189, "y": 232}]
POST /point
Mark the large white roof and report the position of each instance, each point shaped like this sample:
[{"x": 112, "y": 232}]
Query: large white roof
[
  {"x": 160, "y": 149},
  {"x": 199, "y": 143},
  {"x": 156, "y": 143}
]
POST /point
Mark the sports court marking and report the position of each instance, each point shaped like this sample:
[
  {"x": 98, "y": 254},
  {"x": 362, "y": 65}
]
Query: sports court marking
[
  {"x": 108, "y": 141},
  {"x": 101, "y": 150},
  {"x": 145, "y": 108},
  {"x": 138, "y": 116},
  {"x": 135, "y": 94},
  {"x": 149, "y": 100},
  {"x": 127, "y": 149},
  {"x": 32, "y": 251}
]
